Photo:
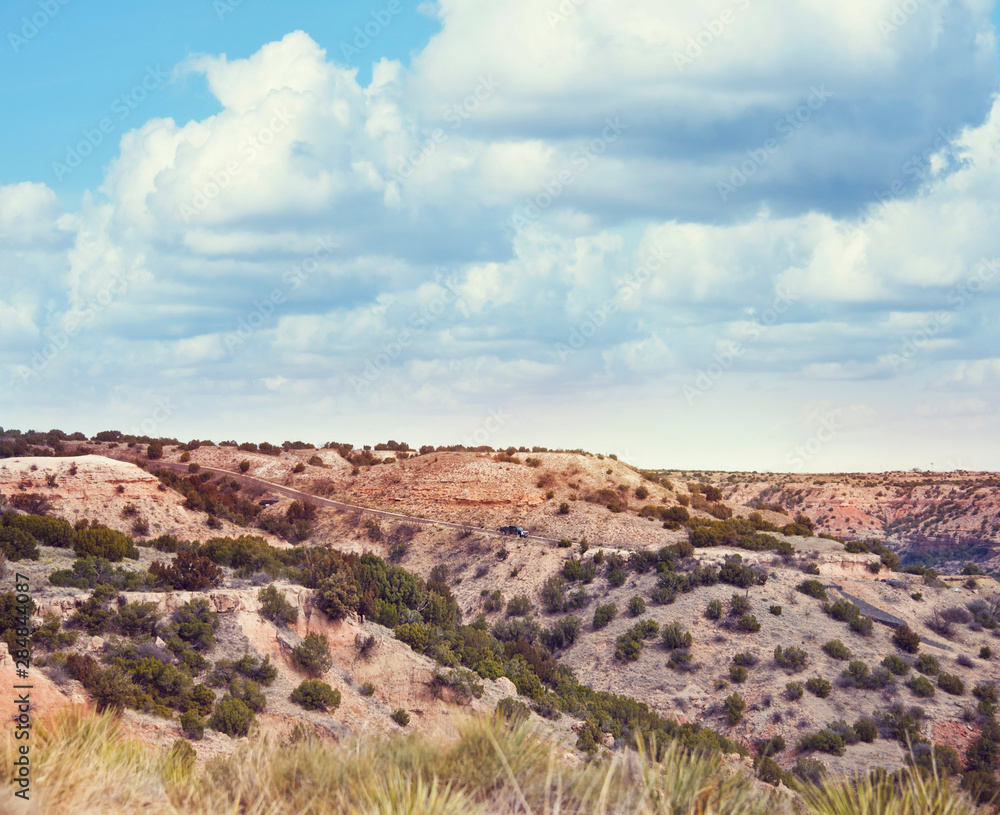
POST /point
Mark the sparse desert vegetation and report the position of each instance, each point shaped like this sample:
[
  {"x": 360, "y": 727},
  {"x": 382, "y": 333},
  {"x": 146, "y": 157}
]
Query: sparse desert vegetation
[{"x": 352, "y": 619}]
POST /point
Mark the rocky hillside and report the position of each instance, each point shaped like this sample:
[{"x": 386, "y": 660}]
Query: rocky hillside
[
  {"x": 936, "y": 519},
  {"x": 762, "y": 631}
]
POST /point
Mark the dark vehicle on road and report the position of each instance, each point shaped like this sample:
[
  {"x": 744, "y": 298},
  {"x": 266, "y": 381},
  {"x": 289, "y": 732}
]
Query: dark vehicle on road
[{"x": 513, "y": 530}]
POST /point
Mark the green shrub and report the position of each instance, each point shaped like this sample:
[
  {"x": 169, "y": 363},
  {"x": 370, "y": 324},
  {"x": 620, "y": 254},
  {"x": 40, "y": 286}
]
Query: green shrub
[
  {"x": 734, "y": 707},
  {"x": 738, "y": 605},
  {"x": 809, "y": 770},
  {"x": 920, "y": 686},
  {"x": 748, "y": 623},
  {"x": 676, "y": 637},
  {"x": 512, "y": 711},
  {"x": 745, "y": 659},
  {"x": 489, "y": 669},
  {"x": 896, "y": 664},
  {"x": 312, "y": 655},
  {"x": 985, "y": 652},
  {"x": 137, "y": 619},
  {"x": 518, "y": 606},
  {"x": 842, "y": 610},
  {"x": 88, "y": 573},
  {"x": 636, "y": 606},
  {"x": 48, "y": 635},
  {"x": 313, "y": 694},
  {"x": 837, "y": 650},
  {"x": 818, "y": 686},
  {"x": 463, "y": 683},
  {"x": 950, "y": 683},
  {"x": 604, "y": 615},
  {"x": 617, "y": 577},
  {"x": 563, "y": 633},
  {"x": 248, "y": 666},
  {"x": 737, "y": 575},
  {"x": 99, "y": 541},
  {"x": 194, "y": 624},
  {"x": 200, "y": 701},
  {"x": 189, "y": 571},
  {"x": 16, "y": 545},
  {"x": 714, "y": 610},
  {"x": 862, "y": 625},
  {"x": 737, "y": 673},
  {"x": 401, "y": 717},
  {"x": 794, "y": 690},
  {"x": 791, "y": 658},
  {"x": 93, "y": 614},
  {"x": 192, "y": 725},
  {"x": 45, "y": 530},
  {"x": 628, "y": 648},
  {"x": 812, "y": 588},
  {"x": 982, "y": 786},
  {"x": 770, "y": 772},
  {"x": 232, "y": 717},
  {"x": 337, "y": 596},
  {"x": 825, "y": 741},
  {"x": 936, "y": 759},
  {"x": 928, "y": 664},
  {"x": 906, "y": 639},
  {"x": 248, "y": 692},
  {"x": 111, "y": 689},
  {"x": 775, "y": 610},
  {"x": 866, "y": 730},
  {"x": 771, "y": 746},
  {"x": 493, "y": 601},
  {"x": 553, "y": 594},
  {"x": 274, "y": 606},
  {"x": 857, "y": 673}
]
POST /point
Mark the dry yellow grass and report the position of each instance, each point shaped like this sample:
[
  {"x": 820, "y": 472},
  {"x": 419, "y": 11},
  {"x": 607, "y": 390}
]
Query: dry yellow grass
[{"x": 84, "y": 763}]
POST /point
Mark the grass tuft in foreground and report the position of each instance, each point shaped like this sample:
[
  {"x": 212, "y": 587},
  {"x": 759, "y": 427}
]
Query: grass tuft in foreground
[{"x": 84, "y": 763}]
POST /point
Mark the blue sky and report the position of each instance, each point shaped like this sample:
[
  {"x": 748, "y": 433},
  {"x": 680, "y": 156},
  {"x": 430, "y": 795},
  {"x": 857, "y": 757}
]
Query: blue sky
[{"x": 742, "y": 235}]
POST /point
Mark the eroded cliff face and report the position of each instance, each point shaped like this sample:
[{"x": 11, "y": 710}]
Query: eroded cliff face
[
  {"x": 118, "y": 494},
  {"x": 400, "y": 677},
  {"x": 951, "y": 517}
]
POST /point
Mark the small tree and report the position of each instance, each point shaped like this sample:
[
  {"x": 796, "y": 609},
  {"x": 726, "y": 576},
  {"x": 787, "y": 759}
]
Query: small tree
[
  {"x": 837, "y": 650},
  {"x": 274, "y": 606},
  {"x": 819, "y": 686},
  {"x": 676, "y": 637},
  {"x": 193, "y": 725},
  {"x": 312, "y": 655},
  {"x": 188, "y": 572},
  {"x": 604, "y": 614},
  {"x": 232, "y": 717},
  {"x": 734, "y": 707},
  {"x": 636, "y": 606},
  {"x": 312, "y": 694},
  {"x": 907, "y": 639},
  {"x": 337, "y": 596},
  {"x": 553, "y": 593}
]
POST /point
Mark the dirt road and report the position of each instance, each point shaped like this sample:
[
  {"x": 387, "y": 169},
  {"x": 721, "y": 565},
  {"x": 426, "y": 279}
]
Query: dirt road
[{"x": 289, "y": 492}]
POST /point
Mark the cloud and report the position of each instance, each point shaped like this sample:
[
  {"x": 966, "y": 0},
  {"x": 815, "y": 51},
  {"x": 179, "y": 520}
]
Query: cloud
[{"x": 491, "y": 232}]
